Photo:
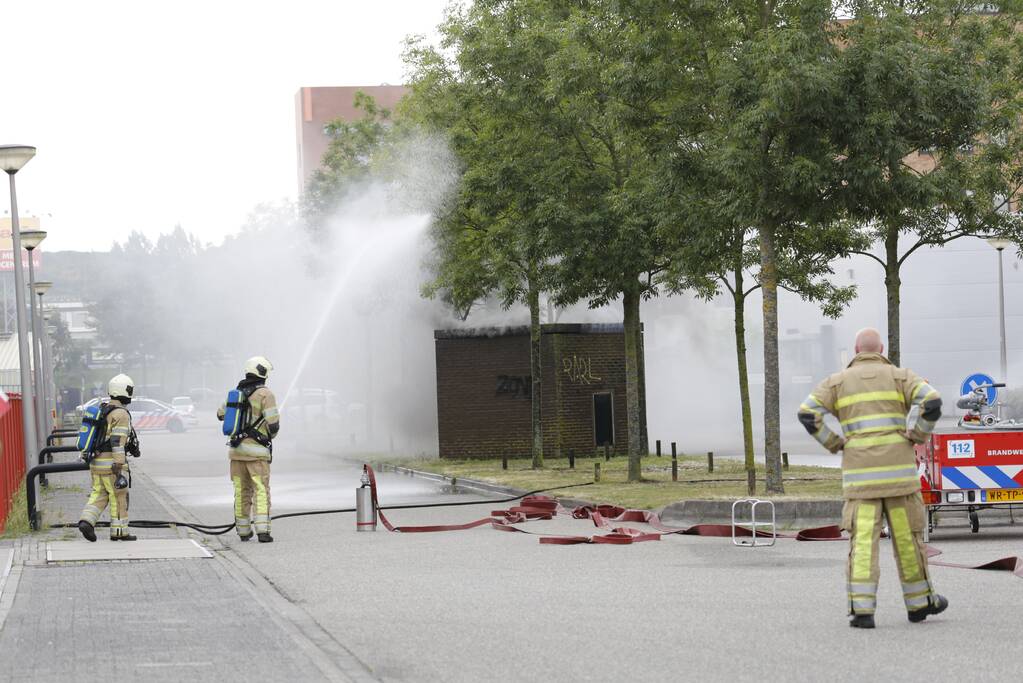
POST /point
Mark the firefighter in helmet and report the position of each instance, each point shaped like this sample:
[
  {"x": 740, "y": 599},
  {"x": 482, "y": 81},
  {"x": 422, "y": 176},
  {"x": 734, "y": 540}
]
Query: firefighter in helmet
[
  {"x": 109, "y": 469},
  {"x": 251, "y": 452},
  {"x": 871, "y": 399}
]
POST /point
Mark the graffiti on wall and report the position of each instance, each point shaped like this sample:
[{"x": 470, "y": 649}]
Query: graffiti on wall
[
  {"x": 515, "y": 387},
  {"x": 579, "y": 369}
]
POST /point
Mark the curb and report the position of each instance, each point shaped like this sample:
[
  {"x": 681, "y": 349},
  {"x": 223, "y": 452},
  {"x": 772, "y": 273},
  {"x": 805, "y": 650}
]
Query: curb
[
  {"x": 463, "y": 484},
  {"x": 334, "y": 660},
  {"x": 787, "y": 512},
  {"x": 9, "y": 582}
]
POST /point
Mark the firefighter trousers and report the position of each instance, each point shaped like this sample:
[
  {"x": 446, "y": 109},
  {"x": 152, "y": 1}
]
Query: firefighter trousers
[
  {"x": 251, "y": 479},
  {"x": 103, "y": 492},
  {"x": 906, "y": 519}
]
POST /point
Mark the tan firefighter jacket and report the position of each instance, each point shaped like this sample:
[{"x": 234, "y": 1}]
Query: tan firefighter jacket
[
  {"x": 871, "y": 399},
  {"x": 262, "y": 404},
  {"x": 111, "y": 451}
]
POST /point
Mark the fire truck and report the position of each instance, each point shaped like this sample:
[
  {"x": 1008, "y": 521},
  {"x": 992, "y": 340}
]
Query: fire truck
[{"x": 978, "y": 464}]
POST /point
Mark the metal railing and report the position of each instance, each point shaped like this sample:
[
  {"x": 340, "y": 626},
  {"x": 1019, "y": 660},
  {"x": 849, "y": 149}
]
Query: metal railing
[
  {"x": 48, "y": 468},
  {"x": 58, "y": 434},
  {"x": 12, "y": 457},
  {"x": 46, "y": 456}
]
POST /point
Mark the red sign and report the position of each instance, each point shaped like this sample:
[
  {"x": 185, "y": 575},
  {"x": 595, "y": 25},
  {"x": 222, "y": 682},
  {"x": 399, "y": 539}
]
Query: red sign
[
  {"x": 7, "y": 259},
  {"x": 7, "y": 244}
]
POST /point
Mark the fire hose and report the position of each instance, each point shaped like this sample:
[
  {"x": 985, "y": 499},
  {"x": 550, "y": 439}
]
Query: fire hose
[
  {"x": 219, "y": 529},
  {"x": 536, "y": 507}
]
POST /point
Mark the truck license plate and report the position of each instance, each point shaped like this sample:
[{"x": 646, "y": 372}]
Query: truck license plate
[{"x": 1003, "y": 495}]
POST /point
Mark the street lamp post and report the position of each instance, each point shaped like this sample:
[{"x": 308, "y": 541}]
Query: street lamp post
[
  {"x": 1000, "y": 244},
  {"x": 44, "y": 373},
  {"x": 50, "y": 389},
  {"x": 30, "y": 239},
  {"x": 12, "y": 159},
  {"x": 50, "y": 363}
]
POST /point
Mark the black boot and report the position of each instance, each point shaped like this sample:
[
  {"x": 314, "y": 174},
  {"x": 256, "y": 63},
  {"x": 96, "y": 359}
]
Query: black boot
[
  {"x": 936, "y": 605},
  {"x": 862, "y": 621},
  {"x": 124, "y": 537},
  {"x": 87, "y": 530},
  {"x": 246, "y": 538},
  {"x": 265, "y": 538}
]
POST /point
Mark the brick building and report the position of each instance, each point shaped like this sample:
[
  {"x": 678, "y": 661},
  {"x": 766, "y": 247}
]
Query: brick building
[
  {"x": 316, "y": 107},
  {"x": 484, "y": 387}
]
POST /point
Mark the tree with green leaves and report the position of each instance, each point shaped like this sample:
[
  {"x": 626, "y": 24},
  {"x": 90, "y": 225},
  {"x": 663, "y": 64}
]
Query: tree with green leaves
[
  {"x": 493, "y": 235},
  {"x": 776, "y": 94},
  {"x": 624, "y": 88},
  {"x": 929, "y": 131},
  {"x": 570, "y": 76},
  {"x": 728, "y": 259}
]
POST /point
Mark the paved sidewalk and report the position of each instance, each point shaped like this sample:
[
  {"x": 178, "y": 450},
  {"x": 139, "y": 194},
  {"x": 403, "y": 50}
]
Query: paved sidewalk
[
  {"x": 196, "y": 619},
  {"x": 483, "y": 605}
]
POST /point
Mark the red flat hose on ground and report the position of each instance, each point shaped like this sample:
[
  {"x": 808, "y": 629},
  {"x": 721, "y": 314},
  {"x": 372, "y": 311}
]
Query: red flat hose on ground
[{"x": 605, "y": 517}]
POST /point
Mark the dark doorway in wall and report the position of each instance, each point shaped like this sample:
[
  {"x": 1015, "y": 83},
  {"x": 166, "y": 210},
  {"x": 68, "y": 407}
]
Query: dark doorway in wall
[{"x": 603, "y": 419}]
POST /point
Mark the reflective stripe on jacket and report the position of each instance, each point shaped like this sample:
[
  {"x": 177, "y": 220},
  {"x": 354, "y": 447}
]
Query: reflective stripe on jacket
[
  {"x": 871, "y": 399},
  {"x": 118, "y": 430}
]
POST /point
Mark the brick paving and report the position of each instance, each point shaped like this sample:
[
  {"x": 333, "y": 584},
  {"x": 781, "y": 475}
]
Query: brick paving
[{"x": 156, "y": 620}]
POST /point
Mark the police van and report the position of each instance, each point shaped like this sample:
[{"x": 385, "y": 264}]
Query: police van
[{"x": 147, "y": 414}]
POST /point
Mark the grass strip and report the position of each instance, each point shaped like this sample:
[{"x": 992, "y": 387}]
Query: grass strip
[
  {"x": 17, "y": 519},
  {"x": 726, "y": 482}
]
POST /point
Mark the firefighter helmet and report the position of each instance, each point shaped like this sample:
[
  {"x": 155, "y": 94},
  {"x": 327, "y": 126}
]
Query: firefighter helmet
[
  {"x": 121, "y": 386},
  {"x": 258, "y": 366}
]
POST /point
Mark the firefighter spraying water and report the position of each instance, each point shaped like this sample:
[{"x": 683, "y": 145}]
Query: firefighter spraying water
[{"x": 251, "y": 421}]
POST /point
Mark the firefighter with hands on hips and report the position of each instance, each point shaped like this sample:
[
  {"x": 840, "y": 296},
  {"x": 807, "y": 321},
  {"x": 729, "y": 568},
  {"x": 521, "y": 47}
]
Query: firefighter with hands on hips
[
  {"x": 109, "y": 469},
  {"x": 871, "y": 399},
  {"x": 251, "y": 451}
]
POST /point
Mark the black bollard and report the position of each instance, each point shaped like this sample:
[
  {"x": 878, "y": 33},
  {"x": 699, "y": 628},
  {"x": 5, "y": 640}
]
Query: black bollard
[
  {"x": 596, "y": 471},
  {"x": 674, "y": 462},
  {"x": 607, "y": 453},
  {"x": 571, "y": 458},
  {"x": 710, "y": 461},
  {"x": 504, "y": 462},
  {"x": 785, "y": 460},
  {"x": 658, "y": 448}
]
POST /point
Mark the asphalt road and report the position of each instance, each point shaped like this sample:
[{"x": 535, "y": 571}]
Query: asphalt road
[{"x": 483, "y": 605}]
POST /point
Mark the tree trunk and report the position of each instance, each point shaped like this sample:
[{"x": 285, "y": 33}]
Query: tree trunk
[
  {"x": 644, "y": 439},
  {"x": 533, "y": 296},
  {"x": 744, "y": 399},
  {"x": 630, "y": 300},
  {"x": 892, "y": 283},
  {"x": 772, "y": 428}
]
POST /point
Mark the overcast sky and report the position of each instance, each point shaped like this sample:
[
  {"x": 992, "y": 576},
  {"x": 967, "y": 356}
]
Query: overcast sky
[{"x": 147, "y": 114}]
